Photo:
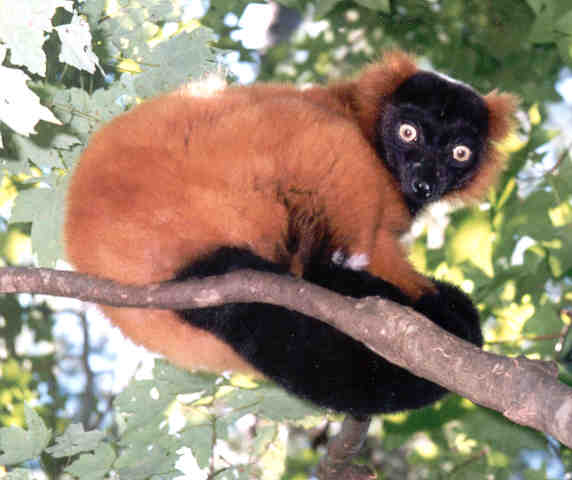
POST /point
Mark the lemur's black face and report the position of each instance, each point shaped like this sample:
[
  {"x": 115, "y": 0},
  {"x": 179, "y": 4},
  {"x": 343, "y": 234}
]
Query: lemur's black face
[{"x": 431, "y": 135}]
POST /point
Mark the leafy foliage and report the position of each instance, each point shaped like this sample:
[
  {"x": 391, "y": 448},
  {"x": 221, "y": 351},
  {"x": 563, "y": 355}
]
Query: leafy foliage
[
  {"x": 513, "y": 253},
  {"x": 175, "y": 410},
  {"x": 18, "y": 445}
]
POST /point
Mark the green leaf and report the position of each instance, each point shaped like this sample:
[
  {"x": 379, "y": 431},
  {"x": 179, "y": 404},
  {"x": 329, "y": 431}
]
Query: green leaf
[
  {"x": 144, "y": 410},
  {"x": 271, "y": 402},
  {"x": 565, "y": 357},
  {"x": 509, "y": 29},
  {"x": 19, "y": 474},
  {"x": 130, "y": 29},
  {"x": 472, "y": 241},
  {"x": 527, "y": 217},
  {"x": 21, "y": 107},
  {"x": 292, "y": 4},
  {"x": 535, "y": 474},
  {"x": 75, "y": 440},
  {"x": 44, "y": 149},
  {"x": 76, "y": 45},
  {"x": 536, "y": 5},
  {"x": 564, "y": 23},
  {"x": 18, "y": 445},
  {"x": 545, "y": 320},
  {"x": 143, "y": 404},
  {"x": 121, "y": 32},
  {"x": 163, "y": 10},
  {"x": 199, "y": 438},
  {"x": 239, "y": 472},
  {"x": 533, "y": 275},
  {"x": 93, "y": 466},
  {"x": 265, "y": 436},
  {"x": 174, "y": 380},
  {"x": 183, "y": 56},
  {"x": 491, "y": 428},
  {"x": 562, "y": 181},
  {"x": 83, "y": 113},
  {"x": 323, "y": 7},
  {"x": 44, "y": 207},
  {"x": 23, "y": 28},
  {"x": 560, "y": 251},
  {"x": 428, "y": 419},
  {"x": 542, "y": 30},
  {"x": 271, "y": 448},
  {"x": 143, "y": 407},
  {"x": 92, "y": 11},
  {"x": 382, "y": 5},
  {"x": 564, "y": 45},
  {"x": 139, "y": 462}
]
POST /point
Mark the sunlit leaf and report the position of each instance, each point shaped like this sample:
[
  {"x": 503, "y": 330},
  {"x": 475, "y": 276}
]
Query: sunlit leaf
[
  {"x": 564, "y": 23},
  {"x": 199, "y": 438},
  {"x": 20, "y": 107},
  {"x": 382, "y": 5},
  {"x": 93, "y": 466},
  {"x": 23, "y": 27},
  {"x": 44, "y": 207},
  {"x": 76, "y": 45},
  {"x": 18, "y": 445},
  {"x": 75, "y": 440},
  {"x": 473, "y": 242},
  {"x": 323, "y": 7},
  {"x": 184, "y": 56}
]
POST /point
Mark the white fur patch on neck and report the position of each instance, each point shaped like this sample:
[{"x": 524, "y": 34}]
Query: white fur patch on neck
[
  {"x": 357, "y": 261},
  {"x": 338, "y": 257}
]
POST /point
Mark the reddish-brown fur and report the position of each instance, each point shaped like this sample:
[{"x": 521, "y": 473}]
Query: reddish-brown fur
[{"x": 179, "y": 176}]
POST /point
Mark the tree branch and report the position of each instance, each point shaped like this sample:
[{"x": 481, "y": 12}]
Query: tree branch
[
  {"x": 341, "y": 450},
  {"x": 525, "y": 391}
]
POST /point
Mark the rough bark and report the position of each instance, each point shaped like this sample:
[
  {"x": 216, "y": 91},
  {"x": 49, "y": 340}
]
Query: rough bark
[
  {"x": 342, "y": 448},
  {"x": 525, "y": 391}
]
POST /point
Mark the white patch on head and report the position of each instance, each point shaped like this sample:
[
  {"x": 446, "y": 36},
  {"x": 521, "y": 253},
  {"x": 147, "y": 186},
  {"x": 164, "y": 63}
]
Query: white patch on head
[
  {"x": 452, "y": 80},
  {"x": 357, "y": 262},
  {"x": 207, "y": 86},
  {"x": 338, "y": 257}
]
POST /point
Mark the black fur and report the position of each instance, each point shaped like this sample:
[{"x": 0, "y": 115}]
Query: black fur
[
  {"x": 314, "y": 360},
  {"x": 446, "y": 114}
]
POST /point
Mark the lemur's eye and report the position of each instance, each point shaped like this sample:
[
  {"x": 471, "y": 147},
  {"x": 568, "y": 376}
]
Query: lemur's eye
[
  {"x": 461, "y": 153},
  {"x": 407, "y": 132}
]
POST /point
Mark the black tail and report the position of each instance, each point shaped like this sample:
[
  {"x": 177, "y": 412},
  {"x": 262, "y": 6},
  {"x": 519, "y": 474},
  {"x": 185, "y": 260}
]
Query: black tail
[{"x": 313, "y": 359}]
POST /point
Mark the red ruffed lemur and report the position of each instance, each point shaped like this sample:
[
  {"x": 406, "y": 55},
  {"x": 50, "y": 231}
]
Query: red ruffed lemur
[{"x": 319, "y": 183}]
